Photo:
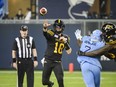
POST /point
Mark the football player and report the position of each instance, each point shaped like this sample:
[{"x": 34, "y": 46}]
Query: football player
[
  {"x": 109, "y": 50},
  {"x": 90, "y": 66},
  {"x": 109, "y": 34},
  {"x": 56, "y": 43}
]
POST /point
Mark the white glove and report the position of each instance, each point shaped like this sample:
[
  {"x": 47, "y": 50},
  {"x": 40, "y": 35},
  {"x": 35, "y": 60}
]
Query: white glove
[
  {"x": 78, "y": 34},
  {"x": 42, "y": 61}
]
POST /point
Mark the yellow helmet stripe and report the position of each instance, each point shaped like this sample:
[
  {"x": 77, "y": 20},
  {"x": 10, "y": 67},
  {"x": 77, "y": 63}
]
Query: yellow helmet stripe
[{"x": 59, "y": 21}]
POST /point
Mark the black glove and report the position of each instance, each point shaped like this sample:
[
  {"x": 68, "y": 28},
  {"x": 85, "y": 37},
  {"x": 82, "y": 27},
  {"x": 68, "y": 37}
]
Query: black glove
[{"x": 80, "y": 53}]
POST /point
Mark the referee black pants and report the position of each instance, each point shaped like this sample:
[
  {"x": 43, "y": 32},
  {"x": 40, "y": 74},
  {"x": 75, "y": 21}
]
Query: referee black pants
[
  {"x": 25, "y": 66},
  {"x": 50, "y": 66}
]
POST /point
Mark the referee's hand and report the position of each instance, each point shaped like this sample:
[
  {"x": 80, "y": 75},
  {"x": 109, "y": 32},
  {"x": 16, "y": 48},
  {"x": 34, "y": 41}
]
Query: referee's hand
[
  {"x": 14, "y": 65},
  {"x": 35, "y": 63}
]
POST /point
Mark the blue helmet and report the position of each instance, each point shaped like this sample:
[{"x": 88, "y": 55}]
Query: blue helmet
[{"x": 96, "y": 35}]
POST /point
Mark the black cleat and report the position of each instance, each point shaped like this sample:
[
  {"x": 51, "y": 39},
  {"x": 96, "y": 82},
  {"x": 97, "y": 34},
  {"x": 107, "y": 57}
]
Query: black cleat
[{"x": 52, "y": 83}]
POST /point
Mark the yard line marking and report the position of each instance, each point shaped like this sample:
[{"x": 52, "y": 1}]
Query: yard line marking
[
  {"x": 75, "y": 72},
  {"x": 7, "y": 84},
  {"x": 16, "y": 72}
]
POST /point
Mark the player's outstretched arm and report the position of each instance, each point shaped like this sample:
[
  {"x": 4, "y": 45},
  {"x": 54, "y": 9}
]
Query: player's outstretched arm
[{"x": 99, "y": 52}]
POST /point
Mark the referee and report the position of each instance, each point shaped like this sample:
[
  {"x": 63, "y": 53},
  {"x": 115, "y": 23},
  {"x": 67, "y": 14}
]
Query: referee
[{"x": 22, "y": 52}]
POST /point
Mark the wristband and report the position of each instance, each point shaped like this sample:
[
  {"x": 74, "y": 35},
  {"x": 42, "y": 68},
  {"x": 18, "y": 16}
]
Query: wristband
[
  {"x": 35, "y": 58},
  {"x": 14, "y": 60},
  {"x": 80, "y": 53}
]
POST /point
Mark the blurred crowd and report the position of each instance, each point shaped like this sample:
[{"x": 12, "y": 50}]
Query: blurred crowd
[{"x": 19, "y": 15}]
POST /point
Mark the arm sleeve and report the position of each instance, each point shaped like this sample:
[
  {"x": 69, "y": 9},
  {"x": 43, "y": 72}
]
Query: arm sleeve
[
  {"x": 100, "y": 51},
  {"x": 15, "y": 45},
  {"x": 33, "y": 44},
  {"x": 67, "y": 45},
  {"x": 50, "y": 35}
]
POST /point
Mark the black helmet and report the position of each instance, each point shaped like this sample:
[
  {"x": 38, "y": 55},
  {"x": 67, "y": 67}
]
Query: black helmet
[
  {"x": 109, "y": 29},
  {"x": 109, "y": 33},
  {"x": 60, "y": 24}
]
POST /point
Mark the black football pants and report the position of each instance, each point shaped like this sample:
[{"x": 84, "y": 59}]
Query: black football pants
[
  {"x": 25, "y": 66},
  {"x": 58, "y": 71}
]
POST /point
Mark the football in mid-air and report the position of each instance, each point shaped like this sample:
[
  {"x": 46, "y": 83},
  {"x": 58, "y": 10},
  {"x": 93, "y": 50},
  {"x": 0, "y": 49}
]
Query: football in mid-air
[{"x": 43, "y": 11}]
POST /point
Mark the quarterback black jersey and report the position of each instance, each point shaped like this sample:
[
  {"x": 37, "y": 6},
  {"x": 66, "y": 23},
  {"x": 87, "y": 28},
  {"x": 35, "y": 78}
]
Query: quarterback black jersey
[
  {"x": 109, "y": 35},
  {"x": 55, "y": 46},
  {"x": 111, "y": 54}
]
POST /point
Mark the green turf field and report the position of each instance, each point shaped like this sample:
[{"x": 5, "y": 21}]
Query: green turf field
[{"x": 9, "y": 79}]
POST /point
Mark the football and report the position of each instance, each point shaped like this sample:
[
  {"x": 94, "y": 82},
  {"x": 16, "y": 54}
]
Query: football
[{"x": 43, "y": 11}]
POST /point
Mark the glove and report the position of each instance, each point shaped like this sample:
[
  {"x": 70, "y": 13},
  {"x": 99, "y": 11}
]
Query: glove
[
  {"x": 80, "y": 53},
  {"x": 63, "y": 39},
  {"x": 42, "y": 61},
  {"x": 78, "y": 34}
]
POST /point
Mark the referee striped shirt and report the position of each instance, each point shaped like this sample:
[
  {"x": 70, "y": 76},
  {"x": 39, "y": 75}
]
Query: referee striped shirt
[{"x": 24, "y": 46}]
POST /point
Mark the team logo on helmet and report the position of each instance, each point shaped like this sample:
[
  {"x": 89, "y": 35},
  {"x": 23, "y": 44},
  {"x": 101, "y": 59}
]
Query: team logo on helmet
[
  {"x": 108, "y": 27},
  {"x": 109, "y": 33}
]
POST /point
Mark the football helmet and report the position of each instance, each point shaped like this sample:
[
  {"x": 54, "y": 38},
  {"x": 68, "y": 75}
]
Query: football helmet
[
  {"x": 108, "y": 29},
  {"x": 109, "y": 33},
  {"x": 58, "y": 24},
  {"x": 96, "y": 35}
]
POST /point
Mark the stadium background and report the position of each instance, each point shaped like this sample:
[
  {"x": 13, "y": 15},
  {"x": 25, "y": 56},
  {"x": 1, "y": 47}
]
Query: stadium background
[{"x": 9, "y": 29}]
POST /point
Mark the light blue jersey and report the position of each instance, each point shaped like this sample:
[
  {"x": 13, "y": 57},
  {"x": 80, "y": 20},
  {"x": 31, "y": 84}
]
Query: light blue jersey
[
  {"x": 87, "y": 46},
  {"x": 90, "y": 66}
]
